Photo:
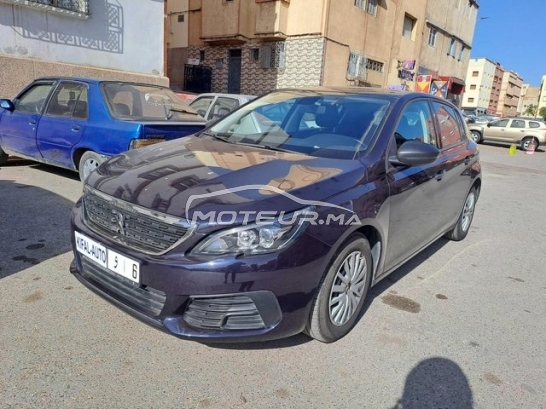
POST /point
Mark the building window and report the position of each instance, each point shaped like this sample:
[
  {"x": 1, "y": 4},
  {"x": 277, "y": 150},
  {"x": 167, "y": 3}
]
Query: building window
[
  {"x": 372, "y": 7},
  {"x": 202, "y": 55},
  {"x": 461, "y": 53},
  {"x": 255, "y": 54},
  {"x": 452, "y": 47},
  {"x": 273, "y": 55},
  {"x": 356, "y": 68},
  {"x": 475, "y": 73},
  {"x": 473, "y": 86},
  {"x": 374, "y": 65},
  {"x": 80, "y": 7},
  {"x": 432, "y": 37},
  {"x": 181, "y": 18},
  {"x": 470, "y": 99},
  {"x": 409, "y": 26},
  {"x": 360, "y": 4}
]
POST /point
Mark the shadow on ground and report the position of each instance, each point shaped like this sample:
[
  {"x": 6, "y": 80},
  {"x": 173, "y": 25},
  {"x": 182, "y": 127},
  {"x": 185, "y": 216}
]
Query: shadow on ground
[
  {"x": 34, "y": 226},
  {"x": 375, "y": 292}
]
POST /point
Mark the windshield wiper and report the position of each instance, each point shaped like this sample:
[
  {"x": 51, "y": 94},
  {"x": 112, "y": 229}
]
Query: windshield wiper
[
  {"x": 221, "y": 136},
  {"x": 181, "y": 110}
]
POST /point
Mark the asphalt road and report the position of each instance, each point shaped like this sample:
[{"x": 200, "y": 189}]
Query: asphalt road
[{"x": 461, "y": 325}]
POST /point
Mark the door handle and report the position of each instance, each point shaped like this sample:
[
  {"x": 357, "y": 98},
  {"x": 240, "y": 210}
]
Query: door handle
[
  {"x": 32, "y": 121},
  {"x": 75, "y": 128},
  {"x": 440, "y": 175}
]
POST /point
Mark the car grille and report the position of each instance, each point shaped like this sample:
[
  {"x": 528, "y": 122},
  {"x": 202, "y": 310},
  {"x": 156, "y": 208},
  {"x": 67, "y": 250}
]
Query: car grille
[
  {"x": 232, "y": 312},
  {"x": 146, "y": 299},
  {"x": 133, "y": 226}
]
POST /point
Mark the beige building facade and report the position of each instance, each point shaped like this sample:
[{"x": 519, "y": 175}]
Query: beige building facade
[
  {"x": 542, "y": 96},
  {"x": 509, "y": 94},
  {"x": 529, "y": 97},
  {"x": 254, "y": 46},
  {"x": 445, "y": 53}
]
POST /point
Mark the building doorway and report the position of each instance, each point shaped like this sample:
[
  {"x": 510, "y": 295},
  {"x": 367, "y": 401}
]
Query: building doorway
[{"x": 234, "y": 72}]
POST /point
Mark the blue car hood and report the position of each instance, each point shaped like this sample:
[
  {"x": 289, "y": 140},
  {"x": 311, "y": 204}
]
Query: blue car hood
[{"x": 184, "y": 175}]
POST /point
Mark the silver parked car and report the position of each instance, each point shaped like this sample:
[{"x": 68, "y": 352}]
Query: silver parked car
[
  {"x": 214, "y": 105},
  {"x": 519, "y": 131}
]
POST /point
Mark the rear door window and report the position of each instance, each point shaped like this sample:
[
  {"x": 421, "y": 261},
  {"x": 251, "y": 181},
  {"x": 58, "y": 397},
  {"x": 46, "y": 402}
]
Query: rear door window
[
  {"x": 67, "y": 97},
  {"x": 451, "y": 132},
  {"x": 517, "y": 123}
]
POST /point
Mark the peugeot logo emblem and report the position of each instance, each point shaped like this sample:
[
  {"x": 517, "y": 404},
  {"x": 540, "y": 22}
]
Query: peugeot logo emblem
[{"x": 119, "y": 221}]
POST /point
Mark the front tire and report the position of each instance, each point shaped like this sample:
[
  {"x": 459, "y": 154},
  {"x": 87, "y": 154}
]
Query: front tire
[
  {"x": 342, "y": 291},
  {"x": 476, "y": 136},
  {"x": 88, "y": 163},
  {"x": 460, "y": 231}
]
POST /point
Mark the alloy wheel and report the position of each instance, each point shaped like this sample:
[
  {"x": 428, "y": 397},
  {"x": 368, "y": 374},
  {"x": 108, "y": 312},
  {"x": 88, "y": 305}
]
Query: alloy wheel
[{"x": 348, "y": 288}]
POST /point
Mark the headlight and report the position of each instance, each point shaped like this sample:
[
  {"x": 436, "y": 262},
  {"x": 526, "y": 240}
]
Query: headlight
[{"x": 256, "y": 238}]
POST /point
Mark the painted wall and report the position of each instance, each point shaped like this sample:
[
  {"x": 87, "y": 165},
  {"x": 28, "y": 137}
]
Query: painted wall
[{"x": 122, "y": 35}]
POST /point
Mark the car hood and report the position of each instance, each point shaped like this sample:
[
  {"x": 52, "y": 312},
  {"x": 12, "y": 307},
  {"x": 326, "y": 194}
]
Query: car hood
[{"x": 183, "y": 175}]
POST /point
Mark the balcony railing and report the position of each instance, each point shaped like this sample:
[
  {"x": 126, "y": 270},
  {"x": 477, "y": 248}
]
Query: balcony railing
[{"x": 76, "y": 8}]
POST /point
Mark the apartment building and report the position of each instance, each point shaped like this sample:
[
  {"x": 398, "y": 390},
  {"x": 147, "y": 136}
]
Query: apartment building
[
  {"x": 542, "y": 96},
  {"x": 529, "y": 97},
  {"x": 445, "y": 53},
  {"x": 483, "y": 87},
  {"x": 81, "y": 38},
  {"x": 254, "y": 46},
  {"x": 509, "y": 94}
]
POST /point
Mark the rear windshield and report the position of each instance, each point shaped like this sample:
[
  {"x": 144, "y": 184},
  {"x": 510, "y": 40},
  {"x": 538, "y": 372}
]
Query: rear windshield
[{"x": 145, "y": 102}]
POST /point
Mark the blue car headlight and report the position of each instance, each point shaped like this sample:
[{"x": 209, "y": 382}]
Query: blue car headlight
[{"x": 265, "y": 237}]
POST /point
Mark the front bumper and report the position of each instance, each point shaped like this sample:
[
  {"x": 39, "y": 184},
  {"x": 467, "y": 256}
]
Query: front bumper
[{"x": 227, "y": 299}]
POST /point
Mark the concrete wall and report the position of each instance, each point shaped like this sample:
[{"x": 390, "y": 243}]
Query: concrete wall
[
  {"x": 177, "y": 30},
  {"x": 120, "y": 39}
]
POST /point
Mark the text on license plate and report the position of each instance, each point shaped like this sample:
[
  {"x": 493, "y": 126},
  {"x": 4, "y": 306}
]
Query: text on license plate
[{"x": 109, "y": 259}]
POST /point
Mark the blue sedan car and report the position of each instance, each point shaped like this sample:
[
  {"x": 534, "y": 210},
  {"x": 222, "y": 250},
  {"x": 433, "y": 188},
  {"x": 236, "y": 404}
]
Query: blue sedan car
[{"x": 77, "y": 123}]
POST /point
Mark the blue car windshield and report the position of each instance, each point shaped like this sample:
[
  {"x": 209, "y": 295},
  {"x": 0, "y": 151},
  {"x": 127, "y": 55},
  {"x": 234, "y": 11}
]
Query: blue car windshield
[
  {"x": 333, "y": 125},
  {"x": 137, "y": 102}
]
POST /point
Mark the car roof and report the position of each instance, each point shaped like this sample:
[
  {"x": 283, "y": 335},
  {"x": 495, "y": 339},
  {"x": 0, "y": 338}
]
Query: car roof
[
  {"x": 91, "y": 80},
  {"x": 393, "y": 95},
  {"x": 221, "y": 94}
]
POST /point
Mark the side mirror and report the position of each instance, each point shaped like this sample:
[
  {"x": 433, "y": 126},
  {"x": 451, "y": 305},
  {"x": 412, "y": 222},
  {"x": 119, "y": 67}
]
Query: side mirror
[
  {"x": 415, "y": 153},
  {"x": 489, "y": 124},
  {"x": 7, "y": 104}
]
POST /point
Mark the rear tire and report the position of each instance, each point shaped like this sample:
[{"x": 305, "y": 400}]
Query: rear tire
[
  {"x": 462, "y": 227},
  {"x": 527, "y": 141},
  {"x": 3, "y": 157},
  {"x": 88, "y": 163},
  {"x": 342, "y": 291}
]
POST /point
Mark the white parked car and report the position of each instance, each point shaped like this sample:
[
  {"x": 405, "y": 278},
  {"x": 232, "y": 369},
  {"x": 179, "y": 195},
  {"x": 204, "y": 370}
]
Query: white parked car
[{"x": 215, "y": 105}]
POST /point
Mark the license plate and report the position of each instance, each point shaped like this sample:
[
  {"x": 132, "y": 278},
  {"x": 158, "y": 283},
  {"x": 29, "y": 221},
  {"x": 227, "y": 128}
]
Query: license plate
[{"x": 108, "y": 259}]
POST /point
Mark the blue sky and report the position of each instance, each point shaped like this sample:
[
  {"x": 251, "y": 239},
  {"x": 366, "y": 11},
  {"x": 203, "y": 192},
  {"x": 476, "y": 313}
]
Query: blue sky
[{"x": 513, "y": 33}]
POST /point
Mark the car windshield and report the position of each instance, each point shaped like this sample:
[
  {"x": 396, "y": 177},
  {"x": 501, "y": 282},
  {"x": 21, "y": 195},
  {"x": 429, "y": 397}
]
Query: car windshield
[
  {"x": 134, "y": 102},
  {"x": 313, "y": 123}
]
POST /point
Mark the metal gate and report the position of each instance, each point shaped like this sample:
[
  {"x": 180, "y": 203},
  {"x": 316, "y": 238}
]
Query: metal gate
[
  {"x": 234, "y": 72},
  {"x": 197, "y": 78}
]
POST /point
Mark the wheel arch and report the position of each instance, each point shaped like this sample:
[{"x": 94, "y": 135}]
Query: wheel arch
[
  {"x": 375, "y": 240},
  {"x": 77, "y": 155}
]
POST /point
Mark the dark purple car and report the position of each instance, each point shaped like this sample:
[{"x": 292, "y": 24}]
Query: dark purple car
[{"x": 278, "y": 218}]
